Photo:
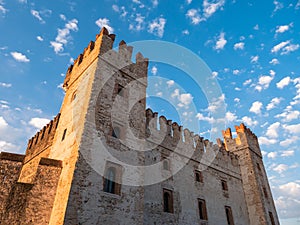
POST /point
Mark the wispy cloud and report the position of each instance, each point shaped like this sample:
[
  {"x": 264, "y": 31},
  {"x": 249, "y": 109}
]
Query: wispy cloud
[{"x": 63, "y": 36}]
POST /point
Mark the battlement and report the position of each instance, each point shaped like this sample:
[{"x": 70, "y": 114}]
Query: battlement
[
  {"x": 102, "y": 48},
  {"x": 166, "y": 133},
  {"x": 42, "y": 139},
  {"x": 245, "y": 138}
]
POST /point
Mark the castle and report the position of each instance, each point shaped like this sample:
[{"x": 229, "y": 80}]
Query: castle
[{"x": 105, "y": 159}]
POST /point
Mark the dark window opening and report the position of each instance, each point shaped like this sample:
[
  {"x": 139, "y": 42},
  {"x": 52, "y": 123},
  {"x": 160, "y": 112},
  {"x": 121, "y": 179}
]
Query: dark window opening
[
  {"x": 168, "y": 201},
  {"x": 109, "y": 181},
  {"x": 120, "y": 90},
  {"x": 202, "y": 209},
  {"x": 116, "y": 132},
  {"x": 265, "y": 192},
  {"x": 224, "y": 185},
  {"x": 64, "y": 135},
  {"x": 198, "y": 176},
  {"x": 271, "y": 218},
  {"x": 229, "y": 215}
]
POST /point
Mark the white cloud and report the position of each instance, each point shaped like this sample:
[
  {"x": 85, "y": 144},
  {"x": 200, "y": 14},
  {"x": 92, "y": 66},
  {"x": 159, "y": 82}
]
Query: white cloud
[
  {"x": 282, "y": 29},
  {"x": 154, "y": 70},
  {"x": 155, "y": 3},
  {"x": 185, "y": 32},
  {"x": 239, "y": 45},
  {"x": 279, "y": 46},
  {"x": 209, "y": 8},
  {"x": 194, "y": 15},
  {"x": 284, "y": 82},
  {"x": 256, "y": 107},
  {"x": 274, "y": 61},
  {"x": 63, "y": 17},
  {"x": 5, "y": 85},
  {"x": 272, "y": 155},
  {"x": 220, "y": 44},
  {"x": 7, "y": 147},
  {"x": 36, "y": 14},
  {"x": 266, "y": 141},
  {"x": 293, "y": 129},
  {"x": 274, "y": 102},
  {"x": 157, "y": 27},
  {"x": 189, "y": 1},
  {"x": 2, "y": 9},
  {"x": 264, "y": 81},
  {"x": 230, "y": 117},
  {"x": 290, "y": 48},
  {"x": 289, "y": 141},
  {"x": 170, "y": 83},
  {"x": 159, "y": 94},
  {"x": 289, "y": 115},
  {"x": 63, "y": 35},
  {"x": 247, "y": 82},
  {"x": 236, "y": 72},
  {"x": 278, "y": 5},
  {"x": 254, "y": 59},
  {"x": 216, "y": 104},
  {"x": 138, "y": 24},
  {"x": 201, "y": 117},
  {"x": 39, "y": 38},
  {"x": 292, "y": 189},
  {"x": 3, "y": 123},
  {"x": 280, "y": 168},
  {"x": 19, "y": 57},
  {"x": 38, "y": 122},
  {"x": 272, "y": 131},
  {"x": 287, "y": 153},
  {"x": 214, "y": 74},
  {"x": 237, "y": 100},
  {"x": 104, "y": 22},
  {"x": 184, "y": 99}
]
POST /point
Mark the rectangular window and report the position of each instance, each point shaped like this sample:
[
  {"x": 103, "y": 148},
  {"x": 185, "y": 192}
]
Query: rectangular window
[
  {"x": 224, "y": 185},
  {"x": 64, "y": 135},
  {"x": 168, "y": 200},
  {"x": 198, "y": 176},
  {"x": 202, "y": 209},
  {"x": 229, "y": 216},
  {"x": 271, "y": 218},
  {"x": 120, "y": 90},
  {"x": 265, "y": 192},
  {"x": 112, "y": 178}
]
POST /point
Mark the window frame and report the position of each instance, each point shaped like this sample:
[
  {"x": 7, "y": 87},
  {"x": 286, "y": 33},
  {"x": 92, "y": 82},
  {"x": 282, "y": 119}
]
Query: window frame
[
  {"x": 202, "y": 210},
  {"x": 168, "y": 206},
  {"x": 229, "y": 215}
]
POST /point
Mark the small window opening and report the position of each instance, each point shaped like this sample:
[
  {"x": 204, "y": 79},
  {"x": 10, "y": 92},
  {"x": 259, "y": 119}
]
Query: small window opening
[
  {"x": 166, "y": 164},
  {"x": 271, "y": 218},
  {"x": 229, "y": 215},
  {"x": 116, "y": 132},
  {"x": 64, "y": 135},
  {"x": 202, "y": 209},
  {"x": 120, "y": 90},
  {"x": 198, "y": 176},
  {"x": 109, "y": 181},
  {"x": 224, "y": 185},
  {"x": 168, "y": 201}
]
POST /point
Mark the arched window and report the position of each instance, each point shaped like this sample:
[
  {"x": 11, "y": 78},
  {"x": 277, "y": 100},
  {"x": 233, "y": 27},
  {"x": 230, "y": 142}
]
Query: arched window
[
  {"x": 109, "y": 182},
  {"x": 168, "y": 201},
  {"x": 166, "y": 165}
]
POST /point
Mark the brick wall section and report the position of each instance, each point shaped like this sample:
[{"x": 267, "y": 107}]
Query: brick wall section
[{"x": 22, "y": 203}]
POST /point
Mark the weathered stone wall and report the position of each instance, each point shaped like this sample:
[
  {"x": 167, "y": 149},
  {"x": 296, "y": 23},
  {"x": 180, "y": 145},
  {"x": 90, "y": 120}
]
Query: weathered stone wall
[{"x": 22, "y": 203}]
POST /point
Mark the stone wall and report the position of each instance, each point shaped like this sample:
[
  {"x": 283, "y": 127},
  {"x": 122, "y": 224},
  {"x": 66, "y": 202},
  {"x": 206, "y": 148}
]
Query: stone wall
[{"x": 22, "y": 203}]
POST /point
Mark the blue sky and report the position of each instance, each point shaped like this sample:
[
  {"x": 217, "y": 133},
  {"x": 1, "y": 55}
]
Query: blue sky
[{"x": 251, "y": 47}]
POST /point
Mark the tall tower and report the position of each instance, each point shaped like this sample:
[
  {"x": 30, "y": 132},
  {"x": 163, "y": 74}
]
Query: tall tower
[
  {"x": 94, "y": 117},
  {"x": 256, "y": 187}
]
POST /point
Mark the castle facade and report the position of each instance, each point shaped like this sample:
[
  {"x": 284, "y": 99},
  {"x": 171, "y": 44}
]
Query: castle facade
[{"x": 106, "y": 159}]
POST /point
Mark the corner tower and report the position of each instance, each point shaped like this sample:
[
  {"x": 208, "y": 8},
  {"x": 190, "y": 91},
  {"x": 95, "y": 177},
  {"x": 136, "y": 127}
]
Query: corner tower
[
  {"x": 94, "y": 111},
  {"x": 256, "y": 187}
]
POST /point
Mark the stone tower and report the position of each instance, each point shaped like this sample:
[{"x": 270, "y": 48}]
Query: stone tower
[{"x": 256, "y": 187}]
